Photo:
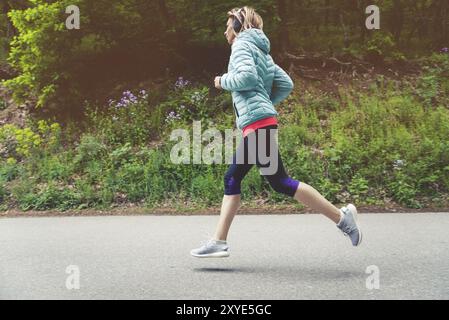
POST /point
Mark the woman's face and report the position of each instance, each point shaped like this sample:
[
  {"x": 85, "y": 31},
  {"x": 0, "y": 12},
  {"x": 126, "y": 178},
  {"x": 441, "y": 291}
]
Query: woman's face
[{"x": 229, "y": 33}]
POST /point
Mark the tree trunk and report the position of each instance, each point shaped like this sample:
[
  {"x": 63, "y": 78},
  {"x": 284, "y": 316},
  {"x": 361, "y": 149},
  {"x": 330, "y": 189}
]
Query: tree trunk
[
  {"x": 441, "y": 21},
  {"x": 398, "y": 19},
  {"x": 165, "y": 15},
  {"x": 445, "y": 22},
  {"x": 284, "y": 38},
  {"x": 10, "y": 30},
  {"x": 361, "y": 5},
  {"x": 345, "y": 29}
]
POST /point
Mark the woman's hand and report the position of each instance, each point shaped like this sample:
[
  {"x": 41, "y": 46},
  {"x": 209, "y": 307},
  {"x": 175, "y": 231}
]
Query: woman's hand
[{"x": 217, "y": 83}]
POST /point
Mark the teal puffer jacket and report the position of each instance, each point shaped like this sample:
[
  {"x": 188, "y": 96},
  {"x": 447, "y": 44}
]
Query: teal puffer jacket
[{"x": 256, "y": 82}]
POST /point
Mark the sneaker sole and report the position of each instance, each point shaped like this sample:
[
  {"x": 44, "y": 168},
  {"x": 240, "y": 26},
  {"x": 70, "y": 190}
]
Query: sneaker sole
[
  {"x": 355, "y": 214},
  {"x": 212, "y": 255}
]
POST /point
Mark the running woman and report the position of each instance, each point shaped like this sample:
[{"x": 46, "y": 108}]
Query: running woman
[{"x": 257, "y": 85}]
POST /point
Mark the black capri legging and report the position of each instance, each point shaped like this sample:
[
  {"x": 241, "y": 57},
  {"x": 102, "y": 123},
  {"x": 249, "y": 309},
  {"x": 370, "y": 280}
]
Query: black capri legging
[{"x": 260, "y": 148}]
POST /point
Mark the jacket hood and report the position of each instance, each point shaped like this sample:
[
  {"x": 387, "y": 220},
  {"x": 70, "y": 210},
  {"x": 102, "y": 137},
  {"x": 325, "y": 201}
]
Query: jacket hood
[{"x": 257, "y": 37}]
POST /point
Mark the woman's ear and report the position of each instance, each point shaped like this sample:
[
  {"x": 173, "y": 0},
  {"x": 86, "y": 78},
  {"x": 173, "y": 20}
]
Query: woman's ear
[
  {"x": 237, "y": 25},
  {"x": 238, "y": 21}
]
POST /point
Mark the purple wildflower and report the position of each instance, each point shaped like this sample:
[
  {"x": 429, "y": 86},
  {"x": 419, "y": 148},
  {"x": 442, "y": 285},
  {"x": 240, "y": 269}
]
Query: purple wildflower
[
  {"x": 172, "y": 116},
  {"x": 127, "y": 98},
  {"x": 445, "y": 50},
  {"x": 143, "y": 94}
]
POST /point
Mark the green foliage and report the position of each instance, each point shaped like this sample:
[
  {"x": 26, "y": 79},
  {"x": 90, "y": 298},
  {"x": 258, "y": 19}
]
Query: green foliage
[
  {"x": 358, "y": 187},
  {"x": 8, "y": 170},
  {"x": 3, "y": 104},
  {"x": 34, "y": 51},
  {"x": 403, "y": 190},
  {"x": 130, "y": 120},
  {"x": 382, "y": 46},
  {"x": 188, "y": 104},
  {"x": 21, "y": 143},
  {"x": 433, "y": 86},
  {"x": 89, "y": 149},
  {"x": 47, "y": 196},
  {"x": 3, "y": 192},
  {"x": 55, "y": 168},
  {"x": 379, "y": 134}
]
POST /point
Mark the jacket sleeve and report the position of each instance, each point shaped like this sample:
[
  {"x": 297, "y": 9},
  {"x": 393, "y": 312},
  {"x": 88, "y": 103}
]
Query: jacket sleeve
[
  {"x": 282, "y": 86},
  {"x": 244, "y": 75}
]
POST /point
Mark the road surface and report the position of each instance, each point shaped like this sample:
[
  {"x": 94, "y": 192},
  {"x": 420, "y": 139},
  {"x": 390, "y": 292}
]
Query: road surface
[{"x": 403, "y": 256}]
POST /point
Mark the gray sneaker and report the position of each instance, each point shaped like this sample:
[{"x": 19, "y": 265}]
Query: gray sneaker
[
  {"x": 212, "y": 249},
  {"x": 348, "y": 225}
]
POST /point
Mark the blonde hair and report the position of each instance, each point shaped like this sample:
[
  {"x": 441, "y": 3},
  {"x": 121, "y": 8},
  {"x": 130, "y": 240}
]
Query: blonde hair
[{"x": 248, "y": 17}]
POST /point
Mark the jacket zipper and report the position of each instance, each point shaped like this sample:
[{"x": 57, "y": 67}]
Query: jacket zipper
[{"x": 236, "y": 112}]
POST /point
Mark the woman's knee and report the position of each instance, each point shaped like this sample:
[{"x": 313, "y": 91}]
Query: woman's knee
[
  {"x": 232, "y": 185},
  {"x": 287, "y": 186}
]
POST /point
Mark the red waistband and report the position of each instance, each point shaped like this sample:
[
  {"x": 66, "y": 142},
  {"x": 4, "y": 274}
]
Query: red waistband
[{"x": 259, "y": 124}]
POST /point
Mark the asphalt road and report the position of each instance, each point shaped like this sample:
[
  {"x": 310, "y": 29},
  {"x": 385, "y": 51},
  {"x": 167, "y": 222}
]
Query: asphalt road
[{"x": 272, "y": 257}]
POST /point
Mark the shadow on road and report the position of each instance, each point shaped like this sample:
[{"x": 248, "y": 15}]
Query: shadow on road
[
  {"x": 289, "y": 272},
  {"x": 220, "y": 270}
]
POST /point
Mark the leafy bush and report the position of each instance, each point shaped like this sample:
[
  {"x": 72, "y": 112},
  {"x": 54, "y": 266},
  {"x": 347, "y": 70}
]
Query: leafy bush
[
  {"x": 382, "y": 47},
  {"x": 49, "y": 196},
  {"x": 33, "y": 51},
  {"x": 433, "y": 85},
  {"x": 3, "y": 104},
  {"x": 21, "y": 143},
  {"x": 90, "y": 149},
  {"x": 3, "y": 191},
  {"x": 391, "y": 131},
  {"x": 188, "y": 104}
]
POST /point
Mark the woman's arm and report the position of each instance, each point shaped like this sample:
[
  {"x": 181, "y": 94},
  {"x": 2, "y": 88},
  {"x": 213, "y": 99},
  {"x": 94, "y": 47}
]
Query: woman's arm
[
  {"x": 244, "y": 75},
  {"x": 282, "y": 86}
]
